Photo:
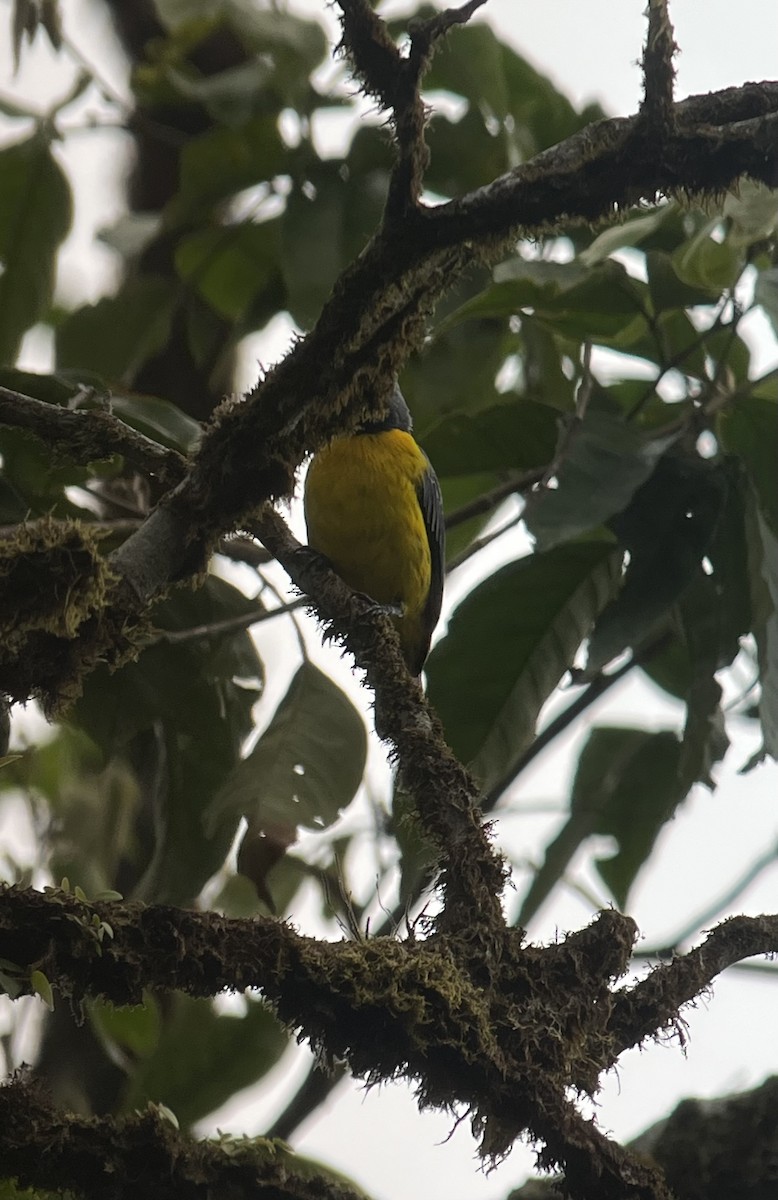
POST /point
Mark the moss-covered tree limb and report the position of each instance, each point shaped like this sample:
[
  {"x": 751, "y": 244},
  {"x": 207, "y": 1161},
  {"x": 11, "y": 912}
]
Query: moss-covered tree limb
[
  {"x": 708, "y": 1149},
  {"x": 121, "y": 1158},
  {"x": 669, "y": 986},
  {"x": 503, "y": 1030},
  {"x": 658, "y": 71},
  {"x": 85, "y": 435},
  {"x": 447, "y": 799}
]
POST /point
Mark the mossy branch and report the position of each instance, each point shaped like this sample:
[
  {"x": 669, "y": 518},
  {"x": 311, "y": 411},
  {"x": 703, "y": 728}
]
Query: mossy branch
[{"x": 119, "y": 1158}]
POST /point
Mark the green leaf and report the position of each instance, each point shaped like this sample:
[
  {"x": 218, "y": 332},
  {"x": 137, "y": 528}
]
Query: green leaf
[
  {"x": 459, "y": 490},
  {"x": 35, "y": 477},
  {"x": 545, "y": 379},
  {"x": 181, "y": 713},
  {"x": 473, "y": 63},
  {"x": 456, "y": 372},
  {"x": 667, "y": 528},
  {"x": 312, "y": 245},
  {"x": 232, "y": 97},
  {"x": 296, "y": 45},
  {"x": 749, "y": 428},
  {"x": 229, "y": 266},
  {"x": 513, "y": 435},
  {"x": 606, "y": 462},
  {"x": 118, "y": 334},
  {"x": 222, "y": 162},
  {"x": 630, "y": 777},
  {"x": 725, "y": 347},
  {"x": 451, "y": 172},
  {"x": 158, "y": 419},
  {"x": 707, "y": 263},
  {"x": 625, "y": 785},
  {"x": 602, "y": 304},
  {"x": 628, "y": 233},
  {"x": 35, "y": 215},
  {"x": 705, "y": 740},
  {"x": 767, "y": 639},
  {"x": 508, "y": 644},
  {"x": 201, "y": 1059},
  {"x": 752, "y": 212},
  {"x": 668, "y": 290},
  {"x": 58, "y": 388},
  {"x": 41, "y": 986},
  {"x": 766, "y": 294},
  {"x": 134, "y": 1028},
  {"x": 306, "y": 766}
]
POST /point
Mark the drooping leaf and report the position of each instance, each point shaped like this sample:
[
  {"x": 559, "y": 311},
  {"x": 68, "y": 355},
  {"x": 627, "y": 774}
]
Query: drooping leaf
[
  {"x": 707, "y": 262},
  {"x": 749, "y": 428},
  {"x": 752, "y": 212},
  {"x": 460, "y": 492},
  {"x": 35, "y": 477},
  {"x": 451, "y": 172},
  {"x": 456, "y": 372},
  {"x": 705, "y": 740},
  {"x": 626, "y": 786},
  {"x": 472, "y": 62},
  {"x": 667, "y": 528},
  {"x": 631, "y": 232},
  {"x": 312, "y": 245},
  {"x": 668, "y": 290},
  {"x": 35, "y": 214},
  {"x": 605, "y": 463},
  {"x": 638, "y": 773},
  {"x": 508, "y": 644},
  {"x": 134, "y": 1028},
  {"x": 306, "y": 766},
  {"x": 180, "y": 716},
  {"x": 158, "y": 419}
]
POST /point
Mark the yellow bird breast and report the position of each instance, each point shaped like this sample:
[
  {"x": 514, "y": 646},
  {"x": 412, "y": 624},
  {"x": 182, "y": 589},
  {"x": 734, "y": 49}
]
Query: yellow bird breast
[{"x": 362, "y": 512}]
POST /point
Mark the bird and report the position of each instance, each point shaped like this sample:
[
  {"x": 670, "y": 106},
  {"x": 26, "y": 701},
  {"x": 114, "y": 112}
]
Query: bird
[{"x": 374, "y": 509}]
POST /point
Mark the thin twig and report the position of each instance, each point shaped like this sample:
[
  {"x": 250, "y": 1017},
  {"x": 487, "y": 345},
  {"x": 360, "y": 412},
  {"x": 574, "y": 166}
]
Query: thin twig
[
  {"x": 175, "y": 637},
  {"x": 488, "y": 501}
]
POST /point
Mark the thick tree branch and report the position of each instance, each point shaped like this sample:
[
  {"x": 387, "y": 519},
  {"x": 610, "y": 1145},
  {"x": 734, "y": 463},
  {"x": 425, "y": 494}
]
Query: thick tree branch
[
  {"x": 505, "y": 1034},
  {"x": 120, "y": 1158},
  {"x": 658, "y": 71},
  {"x": 718, "y": 1149}
]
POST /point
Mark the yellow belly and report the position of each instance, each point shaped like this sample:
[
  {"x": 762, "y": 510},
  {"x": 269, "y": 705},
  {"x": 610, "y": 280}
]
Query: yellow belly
[{"x": 362, "y": 513}]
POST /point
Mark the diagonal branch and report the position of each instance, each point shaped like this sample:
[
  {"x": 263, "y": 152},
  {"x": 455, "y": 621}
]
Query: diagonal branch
[
  {"x": 447, "y": 799},
  {"x": 653, "y": 1003},
  {"x": 86, "y": 435}
]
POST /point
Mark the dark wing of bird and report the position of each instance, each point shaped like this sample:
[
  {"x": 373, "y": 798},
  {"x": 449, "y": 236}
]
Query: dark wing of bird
[{"x": 431, "y": 502}]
